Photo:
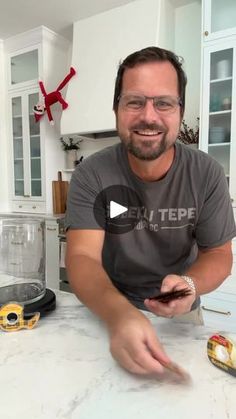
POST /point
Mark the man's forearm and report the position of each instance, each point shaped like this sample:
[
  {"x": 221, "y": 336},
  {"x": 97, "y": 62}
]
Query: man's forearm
[
  {"x": 210, "y": 269},
  {"x": 93, "y": 287}
]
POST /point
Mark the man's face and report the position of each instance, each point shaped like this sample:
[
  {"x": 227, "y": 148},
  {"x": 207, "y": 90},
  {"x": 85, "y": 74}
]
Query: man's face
[{"x": 147, "y": 133}]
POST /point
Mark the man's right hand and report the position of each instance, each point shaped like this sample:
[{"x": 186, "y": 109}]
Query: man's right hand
[
  {"x": 133, "y": 340},
  {"x": 134, "y": 345}
]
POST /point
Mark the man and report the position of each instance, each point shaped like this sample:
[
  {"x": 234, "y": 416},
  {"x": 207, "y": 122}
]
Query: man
[{"x": 183, "y": 237}]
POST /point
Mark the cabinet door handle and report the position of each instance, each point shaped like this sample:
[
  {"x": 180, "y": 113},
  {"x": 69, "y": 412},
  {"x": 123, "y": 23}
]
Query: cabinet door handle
[
  {"x": 51, "y": 229},
  {"x": 206, "y": 33},
  {"x": 226, "y": 313}
]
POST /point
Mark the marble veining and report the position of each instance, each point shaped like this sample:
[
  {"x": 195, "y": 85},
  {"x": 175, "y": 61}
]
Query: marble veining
[{"x": 63, "y": 369}]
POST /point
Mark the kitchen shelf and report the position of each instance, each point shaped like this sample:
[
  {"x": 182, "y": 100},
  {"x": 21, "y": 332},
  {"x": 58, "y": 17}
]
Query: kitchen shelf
[
  {"x": 218, "y": 144},
  {"x": 220, "y": 112},
  {"x": 221, "y": 80}
]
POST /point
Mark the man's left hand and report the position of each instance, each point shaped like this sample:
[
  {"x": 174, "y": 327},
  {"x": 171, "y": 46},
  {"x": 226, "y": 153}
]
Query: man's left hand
[{"x": 174, "y": 307}]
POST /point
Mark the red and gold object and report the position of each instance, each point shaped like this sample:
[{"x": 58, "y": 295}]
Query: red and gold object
[
  {"x": 221, "y": 352},
  {"x": 12, "y": 318},
  {"x": 51, "y": 98}
]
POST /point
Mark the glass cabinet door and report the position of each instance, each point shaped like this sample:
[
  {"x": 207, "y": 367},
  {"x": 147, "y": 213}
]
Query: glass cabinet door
[
  {"x": 218, "y": 110},
  {"x": 220, "y": 107},
  {"x": 223, "y": 15},
  {"x": 35, "y": 148},
  {"x": 219, "y": 18},
  {"x": 24, "y": 67},
  {"x": 18, "y": 158},
  {"x": 26, "y": 146}
]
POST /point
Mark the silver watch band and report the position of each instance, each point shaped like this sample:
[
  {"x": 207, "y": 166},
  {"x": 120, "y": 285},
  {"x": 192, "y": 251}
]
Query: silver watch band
[{"x": 189, "y": 281}]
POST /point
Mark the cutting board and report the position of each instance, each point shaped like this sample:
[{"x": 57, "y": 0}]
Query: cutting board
[{"x": 59, "y": 194}]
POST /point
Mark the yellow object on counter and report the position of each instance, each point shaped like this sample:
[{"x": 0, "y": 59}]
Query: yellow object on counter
[
  {"x": 12, "y": 318},
  {"x": 221, "y": 352}
]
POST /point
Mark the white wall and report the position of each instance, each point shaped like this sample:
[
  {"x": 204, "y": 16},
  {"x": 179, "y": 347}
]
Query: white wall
[
  {"x": 4, "y": 171},
  {"x": 188, "y": 45},
  {"x": 166, "y": 23},
  {"x": 88, "y": 147}
]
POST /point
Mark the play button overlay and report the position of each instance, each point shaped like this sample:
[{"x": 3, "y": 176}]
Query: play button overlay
[{"x": 117, "y": 209}]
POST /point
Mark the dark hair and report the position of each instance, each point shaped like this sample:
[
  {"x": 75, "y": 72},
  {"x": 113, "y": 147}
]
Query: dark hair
[{"x": 147, "y": 55}]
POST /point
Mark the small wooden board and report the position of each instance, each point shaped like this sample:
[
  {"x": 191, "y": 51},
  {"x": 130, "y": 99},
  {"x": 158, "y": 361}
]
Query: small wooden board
[{"x": 59, "y": 194}]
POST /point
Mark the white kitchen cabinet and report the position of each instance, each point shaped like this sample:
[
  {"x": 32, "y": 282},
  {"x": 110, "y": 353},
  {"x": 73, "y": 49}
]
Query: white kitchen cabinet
[
  {"x": 218, "y": 106},
  {"x": 35, "y": 152},
  {"x": 219, "y": 19},
  {"x": 219, "y": 311},
  {"x": 52, "y": 253},
  {"x": 218, "y": 90},
  {"x": 219, "y": 306},
  {"x": 100, "y": 42},
  {"x": 26, "y": 146},
  {"x": 23, "y": 67}
]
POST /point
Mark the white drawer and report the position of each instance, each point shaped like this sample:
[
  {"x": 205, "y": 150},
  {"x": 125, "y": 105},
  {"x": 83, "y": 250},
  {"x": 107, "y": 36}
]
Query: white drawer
[
  {"x": 219, "y": 311},
  {"x": 29, "y": 206}
]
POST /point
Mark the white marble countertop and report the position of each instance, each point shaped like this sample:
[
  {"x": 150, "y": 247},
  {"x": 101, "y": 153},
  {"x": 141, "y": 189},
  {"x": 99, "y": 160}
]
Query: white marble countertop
[
  {"x": 63, "y": 369},
  {"x": 43, "y": 216}
]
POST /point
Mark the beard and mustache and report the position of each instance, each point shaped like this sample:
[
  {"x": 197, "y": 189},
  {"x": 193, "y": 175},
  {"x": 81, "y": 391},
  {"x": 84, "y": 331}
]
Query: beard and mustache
[{"x": 146, "y": 149}]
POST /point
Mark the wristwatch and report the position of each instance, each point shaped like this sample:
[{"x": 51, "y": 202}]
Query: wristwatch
[{"x": 189, "y": 281}]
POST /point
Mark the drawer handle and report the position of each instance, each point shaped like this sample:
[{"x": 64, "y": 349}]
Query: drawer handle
[
  {"x": 51, "y": 229},
  {"x": 34, "y": 207},
  {"x": 19, "y": 206},
  {"x": 226, "y": 313}
]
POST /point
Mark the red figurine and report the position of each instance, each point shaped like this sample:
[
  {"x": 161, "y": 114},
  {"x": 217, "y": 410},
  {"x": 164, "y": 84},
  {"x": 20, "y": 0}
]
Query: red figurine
[{"x": 51, "y": 98}]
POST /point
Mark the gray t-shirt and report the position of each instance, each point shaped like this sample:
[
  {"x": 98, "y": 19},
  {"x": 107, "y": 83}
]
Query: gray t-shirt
[{"x": 189, "y": 208}]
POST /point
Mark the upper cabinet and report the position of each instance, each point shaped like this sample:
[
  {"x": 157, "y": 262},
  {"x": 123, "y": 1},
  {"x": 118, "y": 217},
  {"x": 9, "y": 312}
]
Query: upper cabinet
[
  {"x": 24, "y": 68},
  {"x": 219, "y": 19},
  {"x": 34, "y": 147},
  {"x": 99, "y": 44},
  {"x": 218, "y": 97}
]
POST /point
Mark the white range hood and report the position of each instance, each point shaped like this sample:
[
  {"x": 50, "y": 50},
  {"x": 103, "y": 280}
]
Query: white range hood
[{"x": 99, "y": 44}]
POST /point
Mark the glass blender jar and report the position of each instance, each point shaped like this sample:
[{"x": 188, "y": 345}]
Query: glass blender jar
[{"x": 22, "y": 260}]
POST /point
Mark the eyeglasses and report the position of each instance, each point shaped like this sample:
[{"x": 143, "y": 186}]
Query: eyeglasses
[{"x": 162, "y": 104}]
